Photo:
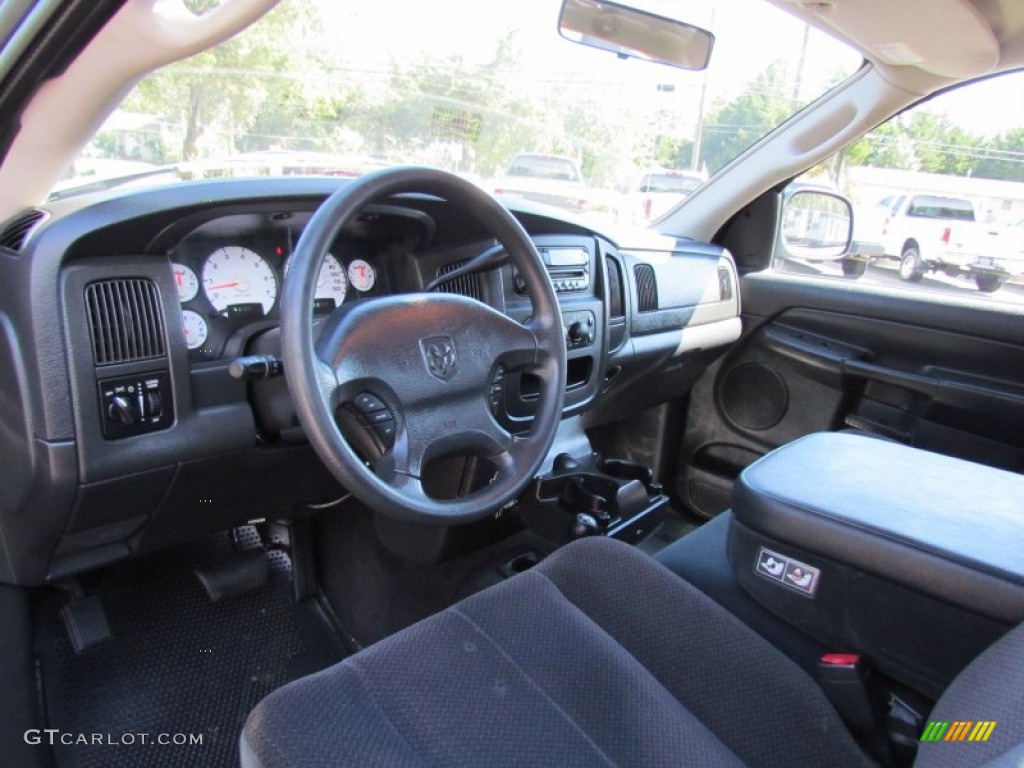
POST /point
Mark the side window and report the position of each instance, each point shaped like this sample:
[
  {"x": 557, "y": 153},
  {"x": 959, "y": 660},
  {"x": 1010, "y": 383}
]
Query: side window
[{"x": 938, "y": 198}]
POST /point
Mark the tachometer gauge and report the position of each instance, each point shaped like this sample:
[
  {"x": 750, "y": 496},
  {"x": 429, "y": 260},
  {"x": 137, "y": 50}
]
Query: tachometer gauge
[
  {"x": 185, "y": 281},
  {"x": 331, "y": 283},
  {"x": 235, "y": 275},
  {"x": 361, "y": 275},
  {"x": 195, "y": 329}
]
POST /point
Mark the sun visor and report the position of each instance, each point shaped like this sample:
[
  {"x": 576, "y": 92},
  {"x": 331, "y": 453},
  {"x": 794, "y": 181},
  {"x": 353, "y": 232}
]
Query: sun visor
[{"x": 948, "y": 38}]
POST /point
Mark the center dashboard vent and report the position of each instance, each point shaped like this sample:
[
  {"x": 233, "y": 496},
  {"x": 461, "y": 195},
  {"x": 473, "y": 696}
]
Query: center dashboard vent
[
  {"x": 125, "y": 319},
  {"x": 646, "y": 288},
  {"x": 464, "y": 285},
  {"x": 16, "y": 232},
  {"x": 616, "y": 305}
]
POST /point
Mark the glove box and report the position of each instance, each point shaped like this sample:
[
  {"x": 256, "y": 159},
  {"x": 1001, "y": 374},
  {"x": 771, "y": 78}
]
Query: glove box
[{"x": 911, "y": 558}]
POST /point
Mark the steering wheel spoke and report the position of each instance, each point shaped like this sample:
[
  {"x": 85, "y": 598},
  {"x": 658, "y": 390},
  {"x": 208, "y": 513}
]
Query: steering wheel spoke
[
  {"x": 331, "y": 389},
  {"x": 518, "y": 344},
  {"x": 462, "y": 426}
]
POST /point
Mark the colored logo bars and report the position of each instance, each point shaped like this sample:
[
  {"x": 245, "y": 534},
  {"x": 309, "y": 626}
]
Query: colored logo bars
[{"x": 958, "y": 730}]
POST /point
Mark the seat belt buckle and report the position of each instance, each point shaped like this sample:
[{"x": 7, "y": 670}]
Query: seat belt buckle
[{"x": 846, "y": 680}]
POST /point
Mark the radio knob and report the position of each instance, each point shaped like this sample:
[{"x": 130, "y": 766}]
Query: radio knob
[{"x": 576, "y": 335}]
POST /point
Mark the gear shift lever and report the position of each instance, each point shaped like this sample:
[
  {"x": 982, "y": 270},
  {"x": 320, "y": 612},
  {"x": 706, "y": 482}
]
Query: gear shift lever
[{"x": 565, "y": 463}]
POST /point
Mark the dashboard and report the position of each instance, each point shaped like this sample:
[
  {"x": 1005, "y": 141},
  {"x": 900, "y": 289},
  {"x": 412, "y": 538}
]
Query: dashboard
[{"x": 122, "y": 314}]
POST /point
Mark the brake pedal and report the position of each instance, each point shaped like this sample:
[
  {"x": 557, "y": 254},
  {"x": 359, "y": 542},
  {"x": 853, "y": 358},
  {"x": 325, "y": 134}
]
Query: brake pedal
[
  {"x": 86, "y": 623},
  {"x": 235, "y": 576}
]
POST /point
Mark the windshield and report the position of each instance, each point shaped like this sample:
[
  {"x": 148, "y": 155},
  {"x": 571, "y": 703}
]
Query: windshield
[{"x": 480, "y": 89}]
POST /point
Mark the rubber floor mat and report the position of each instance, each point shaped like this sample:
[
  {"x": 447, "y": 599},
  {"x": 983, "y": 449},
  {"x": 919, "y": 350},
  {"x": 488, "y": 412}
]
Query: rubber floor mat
[{"x": 179, "y": 668}]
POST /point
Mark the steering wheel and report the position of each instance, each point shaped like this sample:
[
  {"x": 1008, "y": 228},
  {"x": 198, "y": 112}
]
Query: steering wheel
[{"x": 420, "y": 364}]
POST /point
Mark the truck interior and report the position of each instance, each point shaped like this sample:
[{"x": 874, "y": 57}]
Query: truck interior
[{"x": 381, "y": 468}]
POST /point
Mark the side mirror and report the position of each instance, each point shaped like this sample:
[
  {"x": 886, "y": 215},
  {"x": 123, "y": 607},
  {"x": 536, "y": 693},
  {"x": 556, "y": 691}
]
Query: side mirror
[
  {"x": 816, "y": 225},
  {"x": 631, "y": 33}
]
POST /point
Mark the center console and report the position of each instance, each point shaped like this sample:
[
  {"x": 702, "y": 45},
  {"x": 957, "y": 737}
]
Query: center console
[
  {"x": 574, "y": 268},
  {"x": 910, "y": 558},
  {"x": 593, "y": 496}
]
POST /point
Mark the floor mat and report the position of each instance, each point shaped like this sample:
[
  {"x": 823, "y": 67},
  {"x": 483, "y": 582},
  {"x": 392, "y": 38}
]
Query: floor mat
[{"x": 179, "y": 667}]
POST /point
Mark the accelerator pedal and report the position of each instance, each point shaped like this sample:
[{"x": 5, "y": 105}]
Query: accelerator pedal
[{"x": 241, "y": 573}]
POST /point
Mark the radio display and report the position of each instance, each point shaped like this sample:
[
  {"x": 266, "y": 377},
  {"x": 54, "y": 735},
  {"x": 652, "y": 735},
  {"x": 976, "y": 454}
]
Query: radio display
[{"x": 566, "y": 257}]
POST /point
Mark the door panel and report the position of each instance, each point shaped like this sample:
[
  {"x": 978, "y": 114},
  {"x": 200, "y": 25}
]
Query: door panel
[{"x": 820, "y": 356}]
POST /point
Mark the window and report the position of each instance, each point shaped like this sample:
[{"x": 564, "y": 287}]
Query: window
[
  {"x": 947, "y": 208},
  {"x": 938, "y": 197}
]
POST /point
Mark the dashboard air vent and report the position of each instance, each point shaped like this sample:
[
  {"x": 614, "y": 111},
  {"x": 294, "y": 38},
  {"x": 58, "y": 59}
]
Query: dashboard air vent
[
  {"x": 466, "y": 285},
  {"x": 646, "y": 288},
  {"x": 616, "y": 307},
  {"x": 16, "y": 231},
  {"x": 125, "y": 319}
]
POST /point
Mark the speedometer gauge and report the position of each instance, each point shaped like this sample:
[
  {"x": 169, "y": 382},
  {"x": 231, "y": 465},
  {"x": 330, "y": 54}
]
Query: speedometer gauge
[
  {"x": 331, "y": 283},
  {"x": 234, "y": 275}
]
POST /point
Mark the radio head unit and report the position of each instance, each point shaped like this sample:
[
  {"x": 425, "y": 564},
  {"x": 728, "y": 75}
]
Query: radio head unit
[{"x": 568, "y": 266}]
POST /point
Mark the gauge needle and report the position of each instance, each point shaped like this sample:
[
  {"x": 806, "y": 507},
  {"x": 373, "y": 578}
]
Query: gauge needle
[{"x": 224, "y": 285}]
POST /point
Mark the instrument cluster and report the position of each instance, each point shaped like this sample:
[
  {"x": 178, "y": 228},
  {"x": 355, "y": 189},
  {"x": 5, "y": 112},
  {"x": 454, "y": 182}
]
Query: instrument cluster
[{"x": 229, "y": 274}]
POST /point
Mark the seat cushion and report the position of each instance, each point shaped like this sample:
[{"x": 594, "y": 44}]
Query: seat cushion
[
  {"x": 597, "y": 656},
  {"x": 701, "y": 559}
]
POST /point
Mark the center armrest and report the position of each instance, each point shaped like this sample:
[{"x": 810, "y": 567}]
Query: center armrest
[{"x": 951, "y": 528}]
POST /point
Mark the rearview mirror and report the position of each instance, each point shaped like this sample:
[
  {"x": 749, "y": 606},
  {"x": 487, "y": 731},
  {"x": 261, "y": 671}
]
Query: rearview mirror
[{"x": 628, "y": 32}]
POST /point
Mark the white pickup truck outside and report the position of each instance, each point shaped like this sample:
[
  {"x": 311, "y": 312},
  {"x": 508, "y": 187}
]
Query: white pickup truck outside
[
  {"x": 940, "y": 234},
  {"x": 549, "y": 179}
]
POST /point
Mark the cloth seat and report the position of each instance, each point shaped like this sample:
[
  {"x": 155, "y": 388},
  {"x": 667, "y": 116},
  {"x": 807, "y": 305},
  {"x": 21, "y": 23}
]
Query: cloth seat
[{"x": 598, "y": 656}]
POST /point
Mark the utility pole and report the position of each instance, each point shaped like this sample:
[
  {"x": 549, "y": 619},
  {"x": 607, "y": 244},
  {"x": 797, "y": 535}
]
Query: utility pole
[
  {"x": 798, "y": 81},
  {"x": 698, "y": 134}
]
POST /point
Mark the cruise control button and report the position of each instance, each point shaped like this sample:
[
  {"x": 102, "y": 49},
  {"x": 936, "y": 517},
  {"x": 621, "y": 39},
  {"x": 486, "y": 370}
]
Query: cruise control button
[
  {"x": 365, "y": 403},
  {"x": 377, "y": 417},
  {"x": 385, "y": 431}
]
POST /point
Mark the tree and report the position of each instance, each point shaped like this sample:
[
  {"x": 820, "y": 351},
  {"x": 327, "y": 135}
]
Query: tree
[
  {"x": 225, "y": 87},
  {"x": 940, "y": 146},
  {"x": 672, "y": 152},
  {"x": 734, "y": 126},
  {"x": 1004, "y": 158}
]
